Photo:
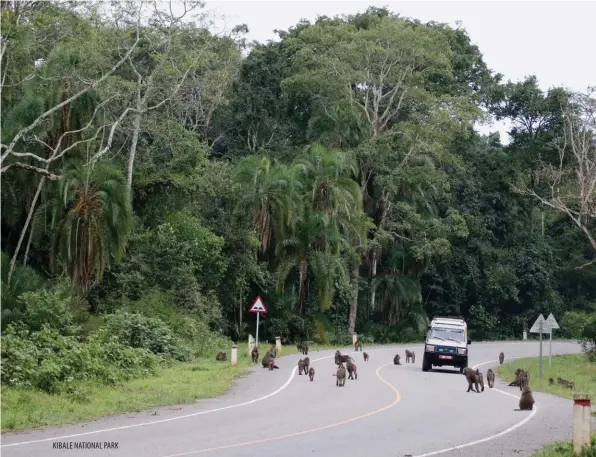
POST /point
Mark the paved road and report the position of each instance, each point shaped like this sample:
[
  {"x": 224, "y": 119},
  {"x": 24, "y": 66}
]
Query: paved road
[{"x": 389, "y": 411}]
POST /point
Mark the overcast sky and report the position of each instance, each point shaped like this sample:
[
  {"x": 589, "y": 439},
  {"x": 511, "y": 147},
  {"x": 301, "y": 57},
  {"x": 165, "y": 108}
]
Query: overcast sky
[{"x": 552, "y": 39}]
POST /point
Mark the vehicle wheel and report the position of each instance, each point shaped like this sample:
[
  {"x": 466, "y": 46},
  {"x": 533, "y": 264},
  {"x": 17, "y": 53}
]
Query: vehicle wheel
[{"x": 425, "y": 363}]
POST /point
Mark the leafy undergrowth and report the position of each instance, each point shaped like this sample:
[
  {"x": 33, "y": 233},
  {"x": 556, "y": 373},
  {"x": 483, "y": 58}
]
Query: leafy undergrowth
[
  {"x": 565, "y": 449},
  {"x": 576, "y": 368},
  {"x": 181, "y": 383}
]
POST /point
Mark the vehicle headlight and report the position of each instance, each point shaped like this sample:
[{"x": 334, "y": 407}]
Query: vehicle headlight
[
  {"x": 462, "y": 351},
  {"x": 430, "y": 348}
]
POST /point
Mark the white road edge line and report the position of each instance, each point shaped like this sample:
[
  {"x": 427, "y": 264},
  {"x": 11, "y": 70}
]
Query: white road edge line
[
  {"x": 200, "y": 413},
  {"x": 492, "y": 437}
]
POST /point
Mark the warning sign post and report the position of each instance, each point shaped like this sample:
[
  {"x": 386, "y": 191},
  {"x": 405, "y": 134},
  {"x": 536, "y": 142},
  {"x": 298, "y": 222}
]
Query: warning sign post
[{"x": 258, "y": 307}]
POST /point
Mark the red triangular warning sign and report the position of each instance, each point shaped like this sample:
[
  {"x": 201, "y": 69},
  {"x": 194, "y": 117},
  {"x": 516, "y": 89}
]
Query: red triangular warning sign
[{"x": 258, "y": 306}]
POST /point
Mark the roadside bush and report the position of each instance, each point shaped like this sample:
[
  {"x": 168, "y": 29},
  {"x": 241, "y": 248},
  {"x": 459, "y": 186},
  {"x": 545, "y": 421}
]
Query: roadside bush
[
  {"x": 588, "y": 340},
  {"x": 50, "y": 361},
  {"x": 47, "y": 307},
  {"x": 573, "y": 323},
  {"x": 138, "y": 331},
  {"x": 24, "y": 279}
]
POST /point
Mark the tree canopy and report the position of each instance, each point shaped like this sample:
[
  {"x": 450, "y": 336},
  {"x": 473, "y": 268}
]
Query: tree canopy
[{"x": 149, "y": 163}]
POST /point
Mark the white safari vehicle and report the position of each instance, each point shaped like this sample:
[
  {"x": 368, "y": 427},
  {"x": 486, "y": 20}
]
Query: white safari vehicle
[{"x": 446, "y": 344}]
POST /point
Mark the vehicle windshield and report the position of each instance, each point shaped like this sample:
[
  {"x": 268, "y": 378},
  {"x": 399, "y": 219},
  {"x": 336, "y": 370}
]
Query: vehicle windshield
[{"x": 451, "y": 334}]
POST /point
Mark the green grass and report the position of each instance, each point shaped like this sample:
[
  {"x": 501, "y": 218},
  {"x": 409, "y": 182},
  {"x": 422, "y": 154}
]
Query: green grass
[
  {"x": 576, "y": 368},
  {"x": 565, "y": 449},
  {"x": 182, "y": 383}
]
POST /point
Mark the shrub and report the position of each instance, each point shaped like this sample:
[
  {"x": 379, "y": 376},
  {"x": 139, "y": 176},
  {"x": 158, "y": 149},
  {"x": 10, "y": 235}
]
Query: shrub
[
  {"x": 573, "y": 323},
  {"x": 51, "y": 362},
  {"x": 588, "y": 339},
  {"x": 24, "y": 279},
  {"x": 138, "y": 331},
  {"x": 47, "y": 307}
]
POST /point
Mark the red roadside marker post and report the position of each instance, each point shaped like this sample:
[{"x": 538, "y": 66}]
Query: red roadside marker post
[{"x": 258, "y": 307}]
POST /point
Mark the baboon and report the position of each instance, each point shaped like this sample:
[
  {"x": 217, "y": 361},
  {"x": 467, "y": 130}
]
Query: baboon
[
  {"x": 353, "y": 374},
  {"x": 501, "y": 358},
  {"x": 337, "y": 357},
  {"x": 551, "y": 381},
  {"x": 341, "y": 376},
  {"x": 358, "y": 345},
  {"x": 268, "y": 360},
  {"x": 304, "y": 348},
  {"x": 311, "y": 373},
  {"x": 564, "y": 382},
  {"x": 523, "y": 380},
  {"x": 515, "y": 382},
  {"x": 480, "y": 379},
  {"x": 410, "y": 356},
  {"x": 396, "y": 360},
  {"x": 221, "y": 357},
  {"x": 344, "y": 358},
  {"x": 306, "y": 364},
  {"x": 300, "y": 366},
  {"x": 365, "y": 357},
  {"x": 474, "y": 377},
  {"x": 526, "y": 401},
  {"x": 299, "y": 347},
  {"x": 490, "y": 378},
  {"x": 255, "y": 354}
]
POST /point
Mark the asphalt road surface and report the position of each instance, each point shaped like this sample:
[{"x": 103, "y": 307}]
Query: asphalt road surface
[{"x": 388, "y": 411}]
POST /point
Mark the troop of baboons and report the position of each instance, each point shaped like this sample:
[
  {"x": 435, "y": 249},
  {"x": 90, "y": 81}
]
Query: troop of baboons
[
  {"x": 563, "y": 382},
  {"x": 474, "y": 377}
]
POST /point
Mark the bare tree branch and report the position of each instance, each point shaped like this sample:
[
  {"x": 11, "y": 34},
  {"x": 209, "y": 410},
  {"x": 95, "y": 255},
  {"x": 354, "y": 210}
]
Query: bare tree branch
[
  {"x": 10, "y": 148},
  {"x": 572, "y": 182},
  {"x": 42, "y": 171}
]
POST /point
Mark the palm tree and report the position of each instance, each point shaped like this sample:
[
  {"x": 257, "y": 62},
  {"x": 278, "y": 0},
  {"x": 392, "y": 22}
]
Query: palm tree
[
  {"x": 92, "y": 234},
  {"x": 268, "y": 188},
  {"x": 330, "y": 220},
  {"x": 399, "y": 284}
]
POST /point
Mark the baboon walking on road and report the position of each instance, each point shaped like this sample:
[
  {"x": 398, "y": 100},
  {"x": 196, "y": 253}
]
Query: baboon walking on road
[
  {"x": 311, "y": 374},
  {"x": 501, "y": 358},
  {"x": 365, "y": 357},
  {"x": 341, "y": 376},
  {"x": 306, "y": 364},
  {"x": 351, "y": 370},
  {"x": 337, "y": 357},
  {"x": 476, "y": 378},
  {"x": 490, "y": 378},
  {"x": 300, "y": 366},
  {"x": 410, "y": 356},
  {"x": 358, "y": 345}
]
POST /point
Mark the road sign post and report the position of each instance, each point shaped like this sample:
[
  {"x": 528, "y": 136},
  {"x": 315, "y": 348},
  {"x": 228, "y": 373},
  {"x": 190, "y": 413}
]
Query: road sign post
[
  {"x": 540, "y": 362},
  {"x": 540, "y": 326},
  {"x": 552, "y": 325},
  {"x": 258, "y": 307}
]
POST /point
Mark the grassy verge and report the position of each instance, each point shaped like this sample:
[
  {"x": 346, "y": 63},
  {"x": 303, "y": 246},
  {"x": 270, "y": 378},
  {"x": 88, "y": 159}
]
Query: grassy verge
[
  {"x": 565, "y": 449},
  {"x": 182, "y": 383},
  {"x": 576, "y": 368}
]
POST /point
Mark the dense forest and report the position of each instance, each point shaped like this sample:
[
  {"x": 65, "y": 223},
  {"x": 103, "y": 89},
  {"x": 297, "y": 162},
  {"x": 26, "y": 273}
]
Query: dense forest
[{"x": 158, "y": 176}]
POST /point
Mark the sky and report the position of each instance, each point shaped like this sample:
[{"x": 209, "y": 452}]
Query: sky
[{"x": 552, "y": 39}]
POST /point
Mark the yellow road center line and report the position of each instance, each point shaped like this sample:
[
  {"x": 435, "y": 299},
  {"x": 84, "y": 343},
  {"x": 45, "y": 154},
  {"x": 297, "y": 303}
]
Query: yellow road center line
[{"x": 304, "y": 432}]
